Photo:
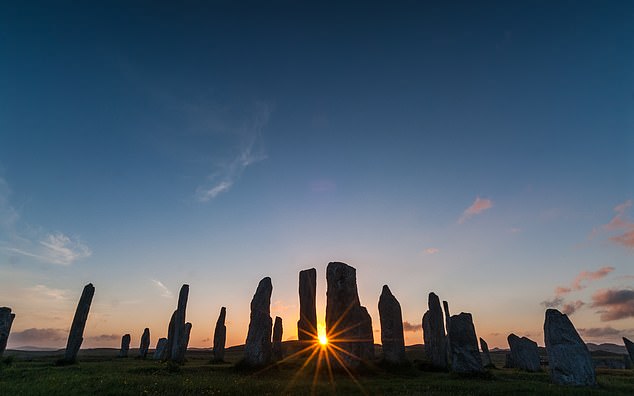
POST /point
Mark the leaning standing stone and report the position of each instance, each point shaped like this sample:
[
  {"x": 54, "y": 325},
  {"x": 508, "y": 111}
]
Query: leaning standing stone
[
  {"x": 277, "y": 340},
  {"x": 6, "y": 320},
  {"x": 465, "y": 355},
  {"x": 257, "y": 349},
  {"x": 629, "y": 345},
  {"x": 392, "y": 337},
  {"x": 486, "y": 357},
  {"x": 76, "y": 335},
  {"x": 159, "y": 352},
  {"x": 524, "y": 353},
  {"x": 125, "y": 346},
  {"x": 220, "y": 336},
  {"x": 187, "y": 330},
  {"x": 177, "y": 353},
  {"x": 434, "y": 333},
  {"x": 307, "y": 324},
  {"x": 145, "y": 343},
  {"x": 569, "y": 359}
]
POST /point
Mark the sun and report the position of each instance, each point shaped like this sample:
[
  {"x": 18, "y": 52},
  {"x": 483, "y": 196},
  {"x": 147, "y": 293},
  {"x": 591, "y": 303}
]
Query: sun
[{"x": 323, "y": 340}]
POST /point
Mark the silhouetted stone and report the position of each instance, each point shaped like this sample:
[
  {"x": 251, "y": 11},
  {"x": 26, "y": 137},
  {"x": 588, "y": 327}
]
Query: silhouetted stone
[
  {"x": 524, "y": 353},
  {"x": 276, "y": 349},
  {"x": 508, "y": 361},
  {"x": 569, "y": 359},
  {"x": 391, "y": 319},
  {"x": 125, "y": 346},
  {"x": 76, "y": 335},
  {"x": 6, "y": 320},
  {"x": 145, "y": 343},
  {"x": 346, "y": 319},
  {"x": 177, "y": 348},
  {"x": 187, "y": 329},
  {"x": 465, "y": 355},
  {"x": 307, "y": 324},
  {"x": 220, "y": 336},
  {"x": 629, "y": 345},
  {"x": 445, "y": 305},
  {"x": 434, "y": 333},
  {"x": 170, "y": 336},
  {"x": 486, "y": 357},
  {"x": 159, "y": 352},
  {"x": 257, "y": 349}
]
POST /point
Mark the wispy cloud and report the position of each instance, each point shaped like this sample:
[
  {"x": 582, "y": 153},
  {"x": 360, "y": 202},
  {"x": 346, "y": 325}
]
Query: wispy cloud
[
  {"x": 407, "y": 326},
  {"x": 600, "y": 332},
  {"x": 37, "y": 337},
  {"x": 614, "y": 304},
  {"x": 572, "y": 307},
  {"x": 165, "y": 292},
  {"x": 554, "y": 303},
  {"x": 581, "y": 280},
  {"x": 620, "y": 224},
  {"x": 431, "y": 250},
  {"x": 477, "y": 207},
  {"x": 50, "y": 293}
]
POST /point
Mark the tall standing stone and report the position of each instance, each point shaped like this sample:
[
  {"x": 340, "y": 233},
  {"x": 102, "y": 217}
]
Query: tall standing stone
[
  {"x": 307, "y": 324},
  {"x": 392, "y": 337},
  {"x": 569, "y": 359},
  {"x": 445, "y": 305},
  {"x": 486, "y": 357},
  {"x": 276, "y": 348},
  {"x": 257, "y": 349},
  {"x": 76, "y": 335},
  {"x": 524, "y": 353},
  {"x": 220, "y": 336},
  {"x": 187, "y": 330},
  {"x": 145, "y": 343},
  {"x": 629, "y": 345},
  {"x": 434, "y": 333},
  {"x": 6, "y": 320},
  {"x": 125, "y": 346},
  {"x": 177, "y": 349},
  {"x": 348, "y": 324},
  {"x": 465, "y": 355},
  {"x": 159, "y": 351}
]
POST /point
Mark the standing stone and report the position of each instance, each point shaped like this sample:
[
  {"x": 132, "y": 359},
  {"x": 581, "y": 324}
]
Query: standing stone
[
  {"x": 257, "y": 349},
  {"x": 187, "y": 330},
  {"x": 486, "y": 357},
  {"x": 508, "y": 361},
  {"x": 629, "y": 345},
  {"x": 145, "y": 343},
  {"x": 159, "y": 352},
  {"x": 76, "y": 335},
  {"x": 276, "y": 349},
  {"x": 6, "y": 320},
  {"x": 524, "y": 353},
  {"x": 445, "y": 305},
  {"x": 392, "y": 337},
  {"x": 170, "y": 336},
  {"x": 569, "y": 360},
  {"x": 177, "y": 349},
  {"x": 348, "y": 324},
  {"x": 434, "y": 333},
  {"x": 465, "y": 355},
  {"x": 125, "y": 346},
  {"x": 220, "y": 336},
  {"x": 307, "y": 324}
]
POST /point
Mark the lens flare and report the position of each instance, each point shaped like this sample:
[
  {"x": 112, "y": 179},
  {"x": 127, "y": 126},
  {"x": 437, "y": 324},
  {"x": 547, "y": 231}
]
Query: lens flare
[{"x": 321, "y": 334}]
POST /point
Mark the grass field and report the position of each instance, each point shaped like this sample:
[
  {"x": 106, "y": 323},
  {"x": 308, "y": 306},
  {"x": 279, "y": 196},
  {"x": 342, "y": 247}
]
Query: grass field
[{"x": 99, "y": 372}]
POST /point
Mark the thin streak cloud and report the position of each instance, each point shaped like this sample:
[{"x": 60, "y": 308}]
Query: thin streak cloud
[{"x": 477, "y": 207}]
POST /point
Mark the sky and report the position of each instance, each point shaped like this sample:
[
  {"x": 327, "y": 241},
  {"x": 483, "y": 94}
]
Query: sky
[{"x": 484, "y": 152}]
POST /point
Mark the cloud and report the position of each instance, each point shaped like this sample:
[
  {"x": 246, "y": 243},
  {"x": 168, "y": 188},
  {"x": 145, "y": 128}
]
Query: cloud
[
  {"x": 615, "y": 303},
  {"x": 554, "y": 303},
  {"x": 105, "y": 337},
  {"x": 407, "y": 326},
  {"x": 626, "y": 239},
  {"x": 598, "y": 332},
  {"x": 477, "y": 207},
  {"x": 431, "y": 250},
  {"x": 572, "y": 307},
  {"x": 165, "y": 292},
  {"x": 584, "y": 276},
  {"x": 35, "y": 337},
  {"x": 619, "y": 223},
  {"x": 50, "y": 293}
]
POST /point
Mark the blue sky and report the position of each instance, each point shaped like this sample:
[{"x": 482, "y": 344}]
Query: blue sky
[{"x": 144, "y": 146}]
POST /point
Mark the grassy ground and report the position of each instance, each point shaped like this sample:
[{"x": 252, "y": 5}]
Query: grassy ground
[{"x": 99, "y": 372}]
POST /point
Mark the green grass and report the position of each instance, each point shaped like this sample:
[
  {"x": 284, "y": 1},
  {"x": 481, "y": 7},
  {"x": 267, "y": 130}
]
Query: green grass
[{"x": 100, "y": 373}]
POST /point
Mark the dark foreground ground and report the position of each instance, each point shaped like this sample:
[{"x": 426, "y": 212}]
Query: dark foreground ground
[{"x": 99, "y": 372}]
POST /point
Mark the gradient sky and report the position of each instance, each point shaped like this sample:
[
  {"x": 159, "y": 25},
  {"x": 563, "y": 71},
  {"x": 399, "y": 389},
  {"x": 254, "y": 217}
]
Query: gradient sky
[{"x": 482, "y": 151}]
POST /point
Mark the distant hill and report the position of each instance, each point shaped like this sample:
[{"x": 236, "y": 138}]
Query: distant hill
[{"x": 607, "y": 347}]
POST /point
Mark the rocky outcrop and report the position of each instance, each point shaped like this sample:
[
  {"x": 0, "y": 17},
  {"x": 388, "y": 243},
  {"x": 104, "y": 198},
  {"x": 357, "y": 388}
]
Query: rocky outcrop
[
  {"x": 392, "y": 338},
  {"x": 569, "y": 359},
  {"x": 276, "y": 349},
  {"x": 125, "y": 346},
  {"x": 220, "y": 336},
  {"x": 307, "y": 324},
  {"x": 76, "y": 335},
  {"x": 257, "y": 349},
  {"x": 6, "y": 320},
  {"x": 524, "y": 353},
  {"x": 465, "y": 355},
  {"x": 486, "y": 357},
  {"x": 145, "y": 343},
  {"x": 434, "y": 333}
]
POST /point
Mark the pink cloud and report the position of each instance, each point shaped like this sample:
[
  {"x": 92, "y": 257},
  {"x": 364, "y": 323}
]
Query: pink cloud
[
  {"x": 572, "y": 307},
  {"x": 477, "y": 207},
  {"x": 584, "y": 276},
  {"x": 620, "y": 223},
  {"x": 431, "y": 250},
  {"x": 627, "y": 239},
  {"x": 615, "y": 303}
]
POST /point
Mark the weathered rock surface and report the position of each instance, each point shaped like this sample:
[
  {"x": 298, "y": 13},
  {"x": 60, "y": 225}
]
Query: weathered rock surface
[
  {"x": 445, "y": 305},
  {"x": 276, "y": 349},
  {"x": 257, "y": 349},
  {"x": 159, "y": 352},
  {"x": 629, "y": 345},
  {"x": 307, "y": 324},
  {"x": 392, "y": 338},
  {"x": 220, "y": 336},
  {"x": 187, "y": 330},
  {"x": 145, "y": 343},
  {"x": 465, "y": 355},
  {"x": 569, "y": 359},
  {"x": 524, "y": 353},
  {"x": 434, "y": 333},
  {"x": 177, "y": 340},
  {"x": 486, "y": 357},
  {"x": 508, "y": 361},
  {"x": 76, "y": 335},
  {"x": 125, "y": 346},
  {"x": 6, "y": 320},
  {"x": 348, "y": 324}
]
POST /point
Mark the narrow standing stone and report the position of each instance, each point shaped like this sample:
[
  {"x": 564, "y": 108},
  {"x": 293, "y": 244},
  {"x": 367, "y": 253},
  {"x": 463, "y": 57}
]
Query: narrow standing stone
[
  {"x": 6, "y": 320},
  {"x": 177, "y": 352},
  {"x": 159, "y": 352},
  {"x": 392, "y": 338},
  {"x": 524, "y": 353},
  {"x": 277, "y": 340},
  {"x": 569, "y": 359},
  {"x": 76, "y": 335},
  {"x": 125, "y": 346},
  {"x": 465, "y": 355},
  {"x": 220, "y": 336},
  {"x": 629, "y": 345},
  {"x": 445, "y": 305},
  {"x": 486, "y": 357},
  {"x": 187, "y": 330},
  {"x": 307, "y": 324},
  {"x": 434, "y": 333},
  {"x": 145, "y": 343},
  {"x": 257, "y": 349}
]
